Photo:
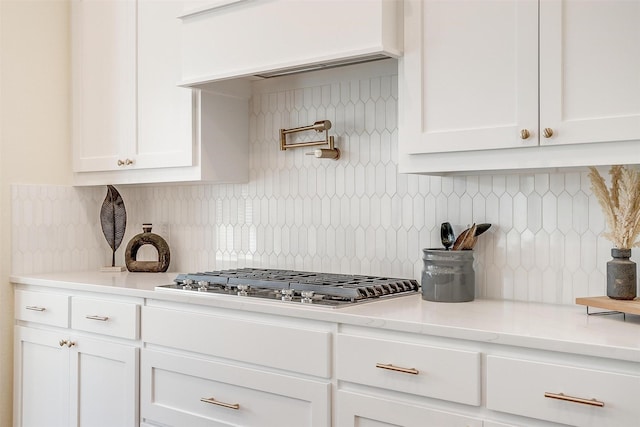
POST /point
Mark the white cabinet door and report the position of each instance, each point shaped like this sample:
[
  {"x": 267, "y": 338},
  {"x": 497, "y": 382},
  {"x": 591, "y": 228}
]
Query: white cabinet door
[
  {"x": 69, "y": 381},
  {"x": 358, "y": 410},
  {"x": 41, "y": 379},
  {"x": 104, "y": 82},
  {"x": 589, "y": 68},
  {"x": 165, "y": 111},
  {"x": 104, "y": 384},
  {"x": 469, "y": 75}
]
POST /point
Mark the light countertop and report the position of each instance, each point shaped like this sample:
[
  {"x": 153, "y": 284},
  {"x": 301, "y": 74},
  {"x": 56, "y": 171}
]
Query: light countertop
[{"x": 562, "y": 328}]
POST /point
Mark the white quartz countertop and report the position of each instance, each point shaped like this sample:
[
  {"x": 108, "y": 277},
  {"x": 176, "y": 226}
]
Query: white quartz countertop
[{"x": 562, "y": 328}]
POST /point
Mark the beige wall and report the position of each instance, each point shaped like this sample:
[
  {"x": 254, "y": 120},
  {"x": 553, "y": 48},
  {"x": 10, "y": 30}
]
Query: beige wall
[{"x": 34, "y": 130}]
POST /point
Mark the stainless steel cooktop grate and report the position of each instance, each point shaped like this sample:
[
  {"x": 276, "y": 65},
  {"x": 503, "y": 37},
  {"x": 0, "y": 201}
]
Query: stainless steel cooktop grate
[{"x": 287, "y": 285}]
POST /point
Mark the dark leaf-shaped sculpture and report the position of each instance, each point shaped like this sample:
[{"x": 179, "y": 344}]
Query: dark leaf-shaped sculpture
[{"x": 113, "y": 218}]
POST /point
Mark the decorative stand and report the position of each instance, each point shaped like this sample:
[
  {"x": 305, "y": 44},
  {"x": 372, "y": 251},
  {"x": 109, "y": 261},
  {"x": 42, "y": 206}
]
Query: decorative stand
[{"x": 614, "y": 306}]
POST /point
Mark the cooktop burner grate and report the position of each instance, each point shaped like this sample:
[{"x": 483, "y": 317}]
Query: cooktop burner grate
[{"x": 301, "y": 286}]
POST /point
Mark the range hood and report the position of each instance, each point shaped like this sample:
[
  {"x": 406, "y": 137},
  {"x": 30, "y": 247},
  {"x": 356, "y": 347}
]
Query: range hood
[{"x": 228, "y": 39}]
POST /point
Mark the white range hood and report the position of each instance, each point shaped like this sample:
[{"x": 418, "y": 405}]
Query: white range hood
[{"x": 264, "y": 38}]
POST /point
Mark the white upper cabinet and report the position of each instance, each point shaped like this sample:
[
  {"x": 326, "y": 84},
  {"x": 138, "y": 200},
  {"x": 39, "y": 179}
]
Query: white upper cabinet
[
  {"x": 499, "y": 85},
  {"x": 104, "y": 83},
  {"x": 590, "y": 71},
  {"x": 131, "y": 122},
  {"x": 237, "y": 38}
]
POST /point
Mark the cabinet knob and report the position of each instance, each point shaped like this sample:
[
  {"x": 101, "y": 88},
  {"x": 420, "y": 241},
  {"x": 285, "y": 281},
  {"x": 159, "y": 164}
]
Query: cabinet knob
[
  {"x": 525, "y": 134},
  {"x": 120, "y": 162},
  {"x": 547, "y": 132},
  {"x": 128, "y": 162},
  {"x": 63, "y": 343}
]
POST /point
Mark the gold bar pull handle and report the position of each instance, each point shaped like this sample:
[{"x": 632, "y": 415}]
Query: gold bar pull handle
[
  {"x": 390, "y": 367},
  {"x": 95, "y": 317},
  {"x": 213, "y": 401},
  {"x": 562, "y": 396},
  {"x": 35, "y": 308}
]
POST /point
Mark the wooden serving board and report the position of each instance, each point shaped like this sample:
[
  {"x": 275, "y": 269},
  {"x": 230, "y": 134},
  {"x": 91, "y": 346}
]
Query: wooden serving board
[{"x": 623, "y": 306}]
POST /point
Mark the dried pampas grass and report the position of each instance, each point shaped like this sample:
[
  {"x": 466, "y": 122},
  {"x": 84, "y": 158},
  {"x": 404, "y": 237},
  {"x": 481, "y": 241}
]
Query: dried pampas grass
[{"x": 620, "y": 204}]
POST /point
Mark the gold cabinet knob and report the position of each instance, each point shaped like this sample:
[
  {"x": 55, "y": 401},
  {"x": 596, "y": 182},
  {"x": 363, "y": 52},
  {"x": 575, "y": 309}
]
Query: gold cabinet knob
[
  {"x": 525, "y": 134},
  {"x": 70, "y": 344},
  {"x": 128, "y": 162},
  {"x": 547, "y": 132},
  {"x": 63, "y": 343},
  {"x": 120, "y": 162}
]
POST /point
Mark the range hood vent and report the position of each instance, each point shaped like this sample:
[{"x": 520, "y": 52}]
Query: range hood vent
[
  {"x": 270, "y": 38},
  {"x": 324, "y": 66}
]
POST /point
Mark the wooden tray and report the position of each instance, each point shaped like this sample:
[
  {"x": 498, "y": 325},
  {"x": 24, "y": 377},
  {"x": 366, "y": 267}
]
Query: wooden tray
[{"x": 622, "y": 306}]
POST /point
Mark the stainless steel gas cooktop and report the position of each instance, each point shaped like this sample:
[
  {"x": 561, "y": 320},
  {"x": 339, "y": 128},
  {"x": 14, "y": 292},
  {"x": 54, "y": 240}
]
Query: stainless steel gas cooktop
[{"x": 302, "y": 287}]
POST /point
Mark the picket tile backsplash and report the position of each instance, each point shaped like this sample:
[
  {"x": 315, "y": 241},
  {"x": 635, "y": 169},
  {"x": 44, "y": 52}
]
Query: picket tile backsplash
[{"x": 355, "y": 215}]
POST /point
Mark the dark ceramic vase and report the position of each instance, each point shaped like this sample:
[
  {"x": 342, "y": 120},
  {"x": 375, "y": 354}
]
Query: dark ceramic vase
[
  {"x": 147, "y": 238},
  {"x": 621, "y": 275}
]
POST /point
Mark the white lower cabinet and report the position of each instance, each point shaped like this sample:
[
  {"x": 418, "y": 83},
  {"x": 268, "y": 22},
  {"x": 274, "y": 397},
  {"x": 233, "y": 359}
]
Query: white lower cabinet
[
  {"x": 562, "y": 393},
  {"x": 385, "y": 366},
  {"x": 66, "y": 376},
  {"x": 85, "y": 359},
  {"x": 180, "y": 390},
  {"x": 233, "y": 369},
  {"x": 359, "y": 410},
  {"x": 73, "y": 381}
]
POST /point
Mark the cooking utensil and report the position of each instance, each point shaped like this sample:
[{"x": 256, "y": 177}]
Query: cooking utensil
[
  {"x": 466, "y": 240},
  {"x": 446, "y": 235},
  {"x": 481, "y": 228}
]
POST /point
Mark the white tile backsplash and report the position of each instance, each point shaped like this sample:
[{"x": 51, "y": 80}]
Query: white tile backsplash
[{"x": 355, "y": 215}]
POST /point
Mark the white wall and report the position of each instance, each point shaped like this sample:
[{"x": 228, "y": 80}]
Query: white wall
[{"x": 34, "y": 131}]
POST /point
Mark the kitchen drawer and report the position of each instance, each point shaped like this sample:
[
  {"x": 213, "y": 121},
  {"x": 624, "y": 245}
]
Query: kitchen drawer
[
  {"x": 354, "y": 409},
  {"x": 42, "y": 307},
  {"x": 175, "y": 387},
  {"x": 519, "y": 387},
  {"x": 277, "y": 346},
  {"x": 441, "y": 373},
  {"x": 115, "y": 318}
]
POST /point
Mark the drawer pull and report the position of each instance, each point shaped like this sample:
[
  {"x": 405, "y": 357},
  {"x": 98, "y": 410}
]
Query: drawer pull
[
  {"x": 100, "y": 318},
  {"x": 213, "y": 401},
  {"x": 390, "y": 367},
  {"x": 35, "y": 308},
  {"x": 562, "y": 396}
]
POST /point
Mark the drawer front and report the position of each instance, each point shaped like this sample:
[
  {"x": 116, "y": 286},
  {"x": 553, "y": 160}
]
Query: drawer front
[
  {"x": 42, "y": 307},
  {"x": 118, "y": 319},
  {"x": 186, "y": 391},
  {"x": 519, "y": 387},
  {"x": 441, "y": 373},
  {"x": 354, "y": 409},
  {"x": 276, "y": 346}
]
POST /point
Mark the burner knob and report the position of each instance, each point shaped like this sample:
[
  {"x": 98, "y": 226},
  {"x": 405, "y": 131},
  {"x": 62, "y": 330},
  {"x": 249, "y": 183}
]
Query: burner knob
[
  {"x": 307, "y": 297},
  {"x": 203, "y": 286},
  {"x": 242, "y": 290},
  {"x": 187, "y": 284},
  {"x": 287, "y": 294}
]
